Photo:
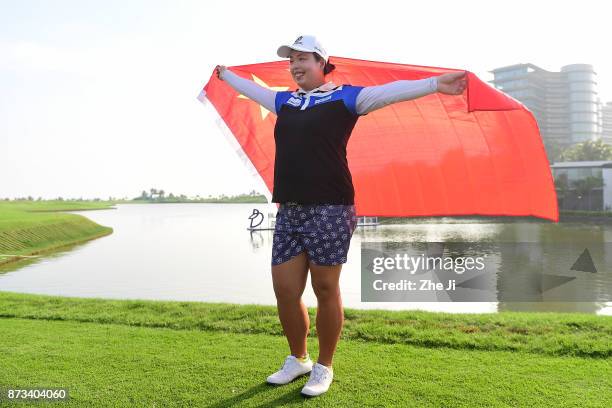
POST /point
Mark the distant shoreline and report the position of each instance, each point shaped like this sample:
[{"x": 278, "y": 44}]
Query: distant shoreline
[{"x": 38, "y": 224}]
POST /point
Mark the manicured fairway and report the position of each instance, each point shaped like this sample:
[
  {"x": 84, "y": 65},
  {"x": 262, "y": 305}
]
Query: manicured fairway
[{"x": 146, "y": 353}]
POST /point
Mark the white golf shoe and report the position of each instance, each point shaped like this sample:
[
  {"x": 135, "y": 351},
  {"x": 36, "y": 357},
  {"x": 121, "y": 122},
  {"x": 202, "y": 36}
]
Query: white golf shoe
[
  {"x": 320, "y": 380},
  {"x": 291, "y": 369}
]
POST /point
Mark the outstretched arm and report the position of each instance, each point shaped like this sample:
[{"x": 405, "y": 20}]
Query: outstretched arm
[
  {"x": 378, "y": 96},
  {"x": 262, "y": 95},
  {"x": 375, "y": 97}
]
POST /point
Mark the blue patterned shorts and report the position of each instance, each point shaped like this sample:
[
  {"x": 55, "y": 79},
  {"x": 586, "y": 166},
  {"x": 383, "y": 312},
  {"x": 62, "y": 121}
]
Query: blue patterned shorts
[{"x": 324, "y": 231}]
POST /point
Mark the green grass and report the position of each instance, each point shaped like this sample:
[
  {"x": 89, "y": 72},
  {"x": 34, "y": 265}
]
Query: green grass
[
  {"x": 555, "y": 334},
  {"x": 160, "y": 353},
  {"x": 35, "y": 227}
]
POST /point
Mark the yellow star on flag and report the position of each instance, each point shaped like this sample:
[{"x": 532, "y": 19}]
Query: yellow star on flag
[{"x": 264, "y": 111}]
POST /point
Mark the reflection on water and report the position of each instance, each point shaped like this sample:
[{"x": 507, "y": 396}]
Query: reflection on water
[{"x": 205, "y": 252}]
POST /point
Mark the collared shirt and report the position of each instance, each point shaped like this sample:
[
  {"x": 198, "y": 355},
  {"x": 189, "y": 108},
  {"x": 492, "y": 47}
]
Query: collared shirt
[
  {"x": 311, "y": 134},
  {"x": 325, "y": 93},
  {"x": 328, "y": 86}
]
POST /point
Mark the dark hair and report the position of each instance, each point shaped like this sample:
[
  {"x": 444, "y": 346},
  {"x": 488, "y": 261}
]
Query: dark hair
[{"x": 329, "y": 67}]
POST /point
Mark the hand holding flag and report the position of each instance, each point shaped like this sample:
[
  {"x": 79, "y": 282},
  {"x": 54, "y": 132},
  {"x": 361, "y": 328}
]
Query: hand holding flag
[
  {"x": 219, "y": 70},
  {"x": 452, "y": 83}
]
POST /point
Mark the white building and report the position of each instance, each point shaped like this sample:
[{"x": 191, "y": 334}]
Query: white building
[
  {"x": 583, "y": 185},
  {"x": 565, "y": 103}
]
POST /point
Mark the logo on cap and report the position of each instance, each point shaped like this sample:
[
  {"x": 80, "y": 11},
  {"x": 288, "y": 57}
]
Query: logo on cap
[{"x": 298, "y": 40}]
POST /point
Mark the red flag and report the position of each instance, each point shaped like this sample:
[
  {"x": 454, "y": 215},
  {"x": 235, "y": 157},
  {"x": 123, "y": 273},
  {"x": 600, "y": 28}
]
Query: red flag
[{"x": 479, "y": 153}]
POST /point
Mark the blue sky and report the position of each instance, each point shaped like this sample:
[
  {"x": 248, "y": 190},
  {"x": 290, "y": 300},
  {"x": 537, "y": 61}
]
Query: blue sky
[{"x": 99, "y": 97}]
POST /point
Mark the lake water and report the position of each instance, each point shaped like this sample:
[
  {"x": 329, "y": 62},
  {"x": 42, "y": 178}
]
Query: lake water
[{"x": 204, "y": 252}]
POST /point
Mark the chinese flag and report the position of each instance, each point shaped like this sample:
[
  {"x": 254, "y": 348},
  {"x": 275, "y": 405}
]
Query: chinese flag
[{"x": 479, "y": 153}]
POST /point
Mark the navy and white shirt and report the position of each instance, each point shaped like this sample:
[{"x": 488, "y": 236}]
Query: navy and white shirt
[{"x": 312, "y": 131}]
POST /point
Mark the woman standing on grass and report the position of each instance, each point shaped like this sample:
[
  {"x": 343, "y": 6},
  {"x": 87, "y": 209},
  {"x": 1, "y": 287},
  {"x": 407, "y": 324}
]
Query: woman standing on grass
[{"x": 313, "y": 185}]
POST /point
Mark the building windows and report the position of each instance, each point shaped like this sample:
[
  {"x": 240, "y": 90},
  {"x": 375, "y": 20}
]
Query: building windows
[
  {"x": 510, "y": 74},
  {"x": 583, "y": 106},
  {"x": 582, "y": 86},
  {"x": 517, "y": 83},
  {"x": 578, "y": 173},
  {"x": 523, "y": 93},
  {"x": 584, "y": 127},
  {"x": 581, "y": 76},
  {"x": 564, "y": 103},
  {"x": 584, "y": 117}
]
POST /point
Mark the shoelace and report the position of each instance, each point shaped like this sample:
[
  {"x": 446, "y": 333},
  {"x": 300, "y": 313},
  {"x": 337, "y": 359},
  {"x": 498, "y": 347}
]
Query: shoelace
[
  {"x": 285, "y": 362},
  {"x": 319, "y": 374}
]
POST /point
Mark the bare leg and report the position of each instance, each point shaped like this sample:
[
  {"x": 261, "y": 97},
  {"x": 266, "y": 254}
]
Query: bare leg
[
  {"x": 289, "y": 279},
  {"x": 330, "y": 314}
]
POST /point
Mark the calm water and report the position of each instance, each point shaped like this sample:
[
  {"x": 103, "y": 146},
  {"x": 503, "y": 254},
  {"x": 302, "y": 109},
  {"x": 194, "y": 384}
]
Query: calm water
[{"x": 204, "y": 252}]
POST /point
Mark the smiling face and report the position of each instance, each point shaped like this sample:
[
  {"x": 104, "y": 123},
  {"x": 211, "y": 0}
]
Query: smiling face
[{"x": 306, "y": 71}]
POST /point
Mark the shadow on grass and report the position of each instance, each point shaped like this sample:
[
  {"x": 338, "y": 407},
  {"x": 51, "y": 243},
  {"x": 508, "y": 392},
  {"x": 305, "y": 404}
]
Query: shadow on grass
[{"x": 292, "y": 395}]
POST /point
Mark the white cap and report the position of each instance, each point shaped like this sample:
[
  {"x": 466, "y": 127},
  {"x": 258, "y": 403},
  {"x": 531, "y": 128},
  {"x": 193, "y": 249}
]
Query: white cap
[{"x": 307, "y": 43}]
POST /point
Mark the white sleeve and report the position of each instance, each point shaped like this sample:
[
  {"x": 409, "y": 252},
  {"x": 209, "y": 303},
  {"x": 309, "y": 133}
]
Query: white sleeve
[
  {"x": 262, "y": 95},
  {"x": 375, "y": 97}
]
